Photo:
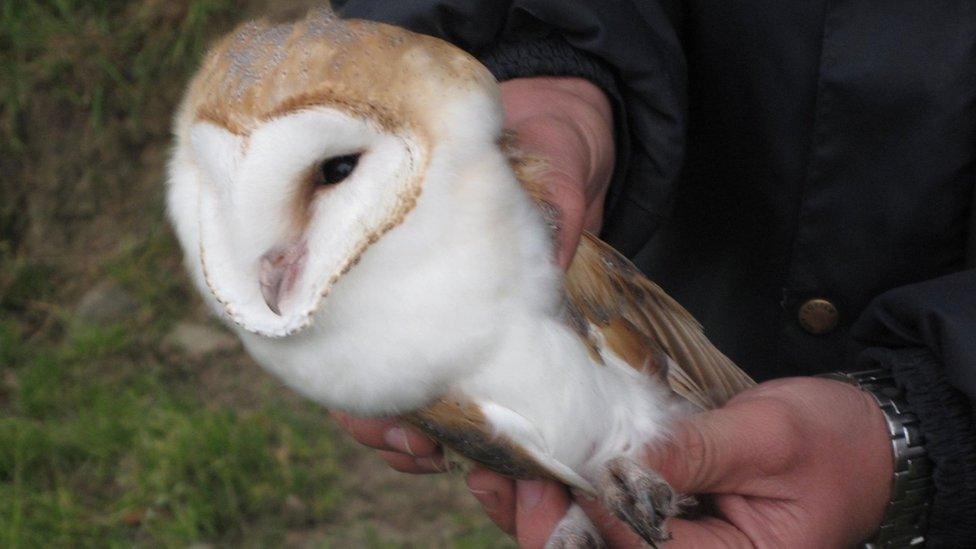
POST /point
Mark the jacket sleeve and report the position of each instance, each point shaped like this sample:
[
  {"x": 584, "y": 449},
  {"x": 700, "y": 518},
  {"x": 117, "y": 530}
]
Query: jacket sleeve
[
  {"x": 926, "y": 334},
  {"x": 628, "y": 48}
]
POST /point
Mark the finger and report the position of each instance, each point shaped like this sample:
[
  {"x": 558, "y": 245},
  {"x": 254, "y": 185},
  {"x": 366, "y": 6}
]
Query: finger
[
  {"x": 569, "y": 210},
  {"x": 539, "y": 506},
  {"x": 593, "y": 217},
  {"x": 368, "y": 431},
  {"x": 417, "y": 466},
  {"x": 387, "y": 434},
  {"x": 615, "y": 532},
  {"x": 406, "y": 439},
  {"x": 726, "y": 450},
  {"x": 564, "y": 180},
  {"x": 496, "y": 495},
  {"x": 568, "y": 122}
]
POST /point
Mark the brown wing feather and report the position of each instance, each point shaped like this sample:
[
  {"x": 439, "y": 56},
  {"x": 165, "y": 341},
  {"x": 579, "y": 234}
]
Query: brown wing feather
[
  {"x": 611, "y": 305},
  {"x": 459, "y": 424},
  {"x": 630, "y": 311}
]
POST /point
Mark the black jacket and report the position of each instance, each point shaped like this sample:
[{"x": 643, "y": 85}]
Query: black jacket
[{"x": 771, "y": 152}]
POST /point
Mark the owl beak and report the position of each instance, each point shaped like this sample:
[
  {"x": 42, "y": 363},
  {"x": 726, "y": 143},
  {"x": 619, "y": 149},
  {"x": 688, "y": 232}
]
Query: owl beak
[{"x": 279, "y": 270}]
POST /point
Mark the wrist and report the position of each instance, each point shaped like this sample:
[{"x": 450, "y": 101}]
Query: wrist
[{"x": 904, "y": 519}]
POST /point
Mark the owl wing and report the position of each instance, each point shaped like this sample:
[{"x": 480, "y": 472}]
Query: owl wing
[
  {"x": 614, "y": 308},
  {"x": 615, "y": 311}
]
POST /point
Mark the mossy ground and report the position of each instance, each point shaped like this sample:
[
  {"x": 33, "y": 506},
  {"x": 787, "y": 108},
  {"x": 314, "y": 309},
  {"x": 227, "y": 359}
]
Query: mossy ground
[{"x": 108, "y": 437}]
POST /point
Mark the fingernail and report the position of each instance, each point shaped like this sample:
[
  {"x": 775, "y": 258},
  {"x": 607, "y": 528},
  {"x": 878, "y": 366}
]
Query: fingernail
[
  {"x": 529, "y": 493},
  {"x": 396, "y": 438},
  {"x": 487, "y": 499}
]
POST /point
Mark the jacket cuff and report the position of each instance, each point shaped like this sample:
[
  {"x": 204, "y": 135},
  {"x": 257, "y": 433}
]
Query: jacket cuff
[
  {"x": 945, "y": 419},
  {"x": 547, "y": 56},
  {"x": 552, "y": 55}
]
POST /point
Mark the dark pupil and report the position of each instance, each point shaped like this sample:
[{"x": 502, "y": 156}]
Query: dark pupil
[{"x": 336, "y": 169}]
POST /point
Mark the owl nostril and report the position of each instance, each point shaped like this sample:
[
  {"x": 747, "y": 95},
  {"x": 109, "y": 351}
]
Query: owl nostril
[{"x": 278, "y": 271}]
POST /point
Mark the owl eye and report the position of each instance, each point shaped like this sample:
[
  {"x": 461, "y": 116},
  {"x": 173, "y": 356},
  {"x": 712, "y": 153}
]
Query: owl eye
[{"x": 335, "y": 170}]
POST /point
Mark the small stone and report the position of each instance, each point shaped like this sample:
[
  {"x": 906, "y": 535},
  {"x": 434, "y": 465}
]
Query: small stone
[
  {"x": 296, "y": 512},
  {"x": 10, "y": 379},
  {"x": 8, "y": 386},
  {"x": 106, "y": 303},
  {"x": 198, "y": 340}
]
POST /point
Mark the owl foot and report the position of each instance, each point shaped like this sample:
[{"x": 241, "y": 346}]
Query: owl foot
[
  {"x": 575, "y": 531},
  {"x": 639, "y": 497}
]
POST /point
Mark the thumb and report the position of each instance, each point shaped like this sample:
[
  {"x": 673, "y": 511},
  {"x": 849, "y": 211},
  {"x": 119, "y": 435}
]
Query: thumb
[
  {"x": 567, "y": 217},
  {"x": 558, "y": 143},
  {"x": 704, "y": 532},
  {"x": 568, "y": 123},
  {"x": 724, "y": 450}
]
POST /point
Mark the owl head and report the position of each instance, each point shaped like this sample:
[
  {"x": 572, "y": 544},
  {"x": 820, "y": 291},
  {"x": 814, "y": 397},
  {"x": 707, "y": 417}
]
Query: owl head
[{"x": 300, "y": 145}]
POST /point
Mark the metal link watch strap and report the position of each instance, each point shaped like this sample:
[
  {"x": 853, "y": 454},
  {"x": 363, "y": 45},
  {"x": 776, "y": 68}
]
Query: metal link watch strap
[{"x": 904, "y": 523}]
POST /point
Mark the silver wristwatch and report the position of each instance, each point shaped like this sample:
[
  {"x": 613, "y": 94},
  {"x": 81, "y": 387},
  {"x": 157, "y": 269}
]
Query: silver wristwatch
[{"x": 904, "y": 522}]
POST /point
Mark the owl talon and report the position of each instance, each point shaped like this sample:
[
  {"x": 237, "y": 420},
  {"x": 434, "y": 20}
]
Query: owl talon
[{"x": 639, "y": 497}]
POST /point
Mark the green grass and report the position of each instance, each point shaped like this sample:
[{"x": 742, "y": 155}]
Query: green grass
[
  {"x": 87, "y": 90},
  {"x": 100, "y": 442},
  {"x": 99, "y": 56}
]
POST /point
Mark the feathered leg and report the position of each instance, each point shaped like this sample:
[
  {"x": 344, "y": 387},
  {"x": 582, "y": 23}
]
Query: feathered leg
[
  {"x": 575, "y": 531},
  {"x": 639, "y": 497}
]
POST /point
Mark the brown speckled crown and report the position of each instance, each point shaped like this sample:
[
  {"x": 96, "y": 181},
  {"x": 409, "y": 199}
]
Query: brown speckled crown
[{"x": 373, "y": 70}]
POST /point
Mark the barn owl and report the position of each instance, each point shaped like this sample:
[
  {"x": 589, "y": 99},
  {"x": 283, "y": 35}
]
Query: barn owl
[{"x": 347, "y": 201}]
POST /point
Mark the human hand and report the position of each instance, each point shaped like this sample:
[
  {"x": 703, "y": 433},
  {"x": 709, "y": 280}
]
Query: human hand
[
  {"x": 799, "y": 462},
  {"x": 567, "y": 122},
  {"x": 401, "y": 446}
]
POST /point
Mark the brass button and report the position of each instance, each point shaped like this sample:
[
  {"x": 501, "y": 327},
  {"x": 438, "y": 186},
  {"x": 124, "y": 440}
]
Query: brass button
[{"x": 818, "y": 316}]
